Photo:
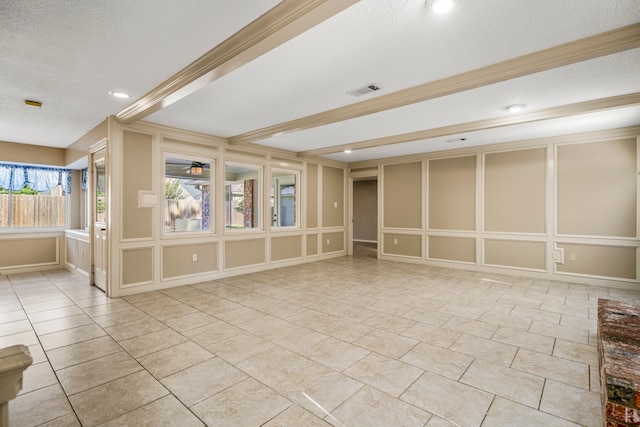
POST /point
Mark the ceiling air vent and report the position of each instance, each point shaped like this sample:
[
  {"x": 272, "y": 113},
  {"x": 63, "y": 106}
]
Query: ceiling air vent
[{"x": 364, "y": 90}]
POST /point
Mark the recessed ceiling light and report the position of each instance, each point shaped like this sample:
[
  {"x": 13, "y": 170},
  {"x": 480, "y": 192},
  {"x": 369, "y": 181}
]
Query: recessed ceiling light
[
  {"x": 348, "y": 151},
  {"x": 442, "y": 6},
  {"x": 515, "y": 108},
  {"x": 120, "y": 94}
]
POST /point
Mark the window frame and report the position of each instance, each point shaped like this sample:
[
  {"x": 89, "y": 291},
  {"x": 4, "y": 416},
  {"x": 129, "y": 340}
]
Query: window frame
[
  {"x": 188, "y": 157},
  {"x": 297, "y": 185},
  {"x": 258, "y": 195}
]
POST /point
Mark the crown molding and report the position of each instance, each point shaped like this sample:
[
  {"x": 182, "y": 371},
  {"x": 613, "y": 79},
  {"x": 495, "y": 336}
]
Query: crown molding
[
  {"x": 282, "y": 23},
  {"x": 535, "y": 116},
  {"x": 618, "y": 40}
]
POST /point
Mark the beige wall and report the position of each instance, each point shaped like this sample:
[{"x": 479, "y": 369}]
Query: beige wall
[
  {"x": 240, "y": 253},
  {"x": 507, "y": 207},
  {"x": 452, "y": 193},
  {"x": 29, "y": 251},
  {"x": 312, "y": 195},
  {"x": 515, "y": 191},
  {"x": 137, "y": 266},
  {"x": 402, "y": 195},
  {"x": 178, "y": 260},
  {"x": 332, "y": 242},
  {"x": 402, "y": 244},
  {"x": 597, "y": 194},
  {"x": 332, "y": 196},
  {"x": 32, "y": 154},
  {"x": 286, "y": 247},
  {"x": 137, "y": 166}
]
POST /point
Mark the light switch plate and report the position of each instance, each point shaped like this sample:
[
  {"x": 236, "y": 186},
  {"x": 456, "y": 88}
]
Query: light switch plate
[{"x": 147, "y": 199}]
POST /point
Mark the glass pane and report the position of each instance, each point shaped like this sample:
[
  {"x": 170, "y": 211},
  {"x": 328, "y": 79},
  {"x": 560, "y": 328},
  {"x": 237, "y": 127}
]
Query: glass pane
[
  {"x": 242, "y": 196},
  {"x": 30, "y": 208},
  {"x": 284, "y": 198},
  {"x": 187, "y": 195},
  {"x": 100, "y": 191}
]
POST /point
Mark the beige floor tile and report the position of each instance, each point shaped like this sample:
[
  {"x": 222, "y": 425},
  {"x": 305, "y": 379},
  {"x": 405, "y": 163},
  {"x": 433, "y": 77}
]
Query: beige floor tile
[
  {"x": 388, "y": 375},
  {"x": 556, "y": 368},
  {"x": 536, "y": 314},
  {"x": 502, "y": 381},
  {"x": 37, "y": 354},
  {"x": 567, "y": 333},
  {"x": 174, "y": 359},
  {"x": 274, "y": 366},
  {"x": 240, "y": 315},
  {"x": 533, "y": 302},
  {"x": 372, "y": 408},
  {"x": 436, "y": 421},
  {"x": 334, "y": 353},
  {"x": 43, "y": 316},
  {"x": 152, "y": 342},
  {"x": 212, "y": 333},
  {"x": 311, "y": 319},
  {"x": 248, "y": 403},
  {"x": 503, "y": 319},
  {"x": 386, "y": 343},
  {"x": 121, "y": 317},
  {"x": 428, "y": 316},
  {"x": 572, "y": 403},
  {"x": 201, "y": 381},
  {"x": 176, "y": 310},
  {"x": 39, "y": 407},
  {"x": 432, "y": 334},
  {"x": 37, "y": 376},
  {"x": 389, "y": 323},
  {"x": 450, "y": 400},
  {"x": 77, "y": 378},
  {"x": 265, "y": 325},
  {"x": 16, "y": 327},
  {"x": 352, "y": 313},
  {"x": 61, "y": 324},
  {"x": 110, "y": 306},
  {"x": 580, "y": 323},
  {"x": 345, "y": 330},
  {"x": 296, "y": 338},
  {"x": 49, "y": 305},
  {"x": 484, "y": 349},
  {"x": 472, "y": 327},
  {"x": 450, "y": 364},
  {"x": 518, "y": 338},
  {"x": 190, "y": 321},
  {"x": 12, "y": 316},
  {"x": 504, "y": 412},
  {"x": 318, "y": 389},
  {"x": 111, "y": 400},
  {"x": 164, "y": 411},
  {"x": 594, "y": 379},
  {"x": 69, "y": 420},
  {"x": 75, "y": 354},
  {"x": 71, "y": 336},
  {"x": 461, "y": 310},
  {"x": 134, "y": 329},
  {"x": 296, "y": 416},
  {"x": 240, "y": 347}
]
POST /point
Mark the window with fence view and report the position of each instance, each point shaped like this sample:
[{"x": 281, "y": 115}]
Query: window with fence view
[{"x": 33, "y": 197}]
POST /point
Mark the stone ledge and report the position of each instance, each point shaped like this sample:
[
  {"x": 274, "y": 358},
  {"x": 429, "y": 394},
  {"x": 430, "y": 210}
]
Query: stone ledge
[{"x": 619, "y": 357}]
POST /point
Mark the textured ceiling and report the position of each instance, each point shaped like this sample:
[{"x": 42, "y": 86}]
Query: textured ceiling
[{"x": 70, "y": 54}]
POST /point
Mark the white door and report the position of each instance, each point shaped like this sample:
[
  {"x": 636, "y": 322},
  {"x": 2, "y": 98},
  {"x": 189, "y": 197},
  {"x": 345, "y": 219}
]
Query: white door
[{"x": 99, "y": 221}]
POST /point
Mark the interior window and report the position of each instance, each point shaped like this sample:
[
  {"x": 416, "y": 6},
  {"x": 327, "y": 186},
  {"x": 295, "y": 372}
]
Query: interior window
[
  {"x": 284, "y": 198},
  {"x": 242, "y": 196},
  {"x": 187, "y": 195}
]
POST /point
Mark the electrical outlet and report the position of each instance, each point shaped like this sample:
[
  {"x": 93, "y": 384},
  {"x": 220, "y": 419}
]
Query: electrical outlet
[
  {"x": 194, "y": 257},
  {"x": 335, "y": 204},
  {"x": 328, "y": 241},
  {"x": 395, "y": 241},
  {"x": 572, "y": 256}
]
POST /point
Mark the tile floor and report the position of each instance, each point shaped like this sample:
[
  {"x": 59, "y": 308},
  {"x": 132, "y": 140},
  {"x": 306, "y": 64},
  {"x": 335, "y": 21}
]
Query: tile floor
[{"x": 351, "y": 341}]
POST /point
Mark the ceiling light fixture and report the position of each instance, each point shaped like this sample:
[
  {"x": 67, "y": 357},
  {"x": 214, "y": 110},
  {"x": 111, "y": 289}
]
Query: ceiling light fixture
[
  {"x": 348, "y": 151},
  {"x": 515, "y": 108},
  {"x": 196, "y": 168},
  {"x": 32, "y": 103},
  {"x": 442, "y": 6},
  {"x": 120, "y": 94}
]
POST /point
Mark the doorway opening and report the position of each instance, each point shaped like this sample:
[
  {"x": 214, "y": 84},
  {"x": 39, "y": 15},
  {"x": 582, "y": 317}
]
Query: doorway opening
[{"x": 365, "y": 217}]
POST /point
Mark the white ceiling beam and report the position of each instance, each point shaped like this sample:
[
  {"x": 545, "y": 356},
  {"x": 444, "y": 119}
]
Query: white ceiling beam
[{"x": 285, "y": 21}]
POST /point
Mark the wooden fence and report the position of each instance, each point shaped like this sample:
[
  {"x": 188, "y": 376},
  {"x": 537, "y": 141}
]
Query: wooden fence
[{"x": 33, "y": 210}]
